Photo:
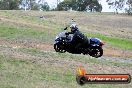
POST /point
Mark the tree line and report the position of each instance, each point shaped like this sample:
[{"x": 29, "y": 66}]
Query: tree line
[
  {"x": 80, "y": 5},
  {"x": 77, "y": 5},
  {"x": 24, "y": 4}
]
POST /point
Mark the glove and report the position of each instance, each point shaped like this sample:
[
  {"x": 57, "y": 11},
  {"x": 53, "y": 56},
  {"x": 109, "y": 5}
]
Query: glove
[{"x": 65, "y": 28}]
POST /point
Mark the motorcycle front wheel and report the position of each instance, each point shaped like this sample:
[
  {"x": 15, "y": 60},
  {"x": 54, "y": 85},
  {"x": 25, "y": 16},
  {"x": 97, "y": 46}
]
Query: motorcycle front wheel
[{"x": 59, "y": 48}]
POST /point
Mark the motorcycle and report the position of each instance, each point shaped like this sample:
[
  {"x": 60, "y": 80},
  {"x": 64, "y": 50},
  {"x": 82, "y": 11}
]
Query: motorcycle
[{"x": 93, "y": 47}]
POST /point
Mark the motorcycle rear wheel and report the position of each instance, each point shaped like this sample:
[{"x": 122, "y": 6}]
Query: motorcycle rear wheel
[{"x": 96, "y": 52}]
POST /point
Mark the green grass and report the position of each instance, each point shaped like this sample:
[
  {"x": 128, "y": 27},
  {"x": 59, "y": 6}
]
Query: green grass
[
  {"x": 11, "y": 33},
  {"x": 16, "y": 72},
  {"x": 117, "y": 42}
]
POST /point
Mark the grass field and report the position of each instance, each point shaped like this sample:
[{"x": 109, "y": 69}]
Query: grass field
[{"x": 28, "y": 60}]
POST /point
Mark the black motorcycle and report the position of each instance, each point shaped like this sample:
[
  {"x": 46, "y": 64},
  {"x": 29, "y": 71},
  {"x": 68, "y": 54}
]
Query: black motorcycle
[{"x": 93, "y": 47}]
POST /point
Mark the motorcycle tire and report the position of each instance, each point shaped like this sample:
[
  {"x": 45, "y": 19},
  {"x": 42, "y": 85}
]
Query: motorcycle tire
[
  {"x": 58, "y": 48},
  {"x": 96, "y": 51}
]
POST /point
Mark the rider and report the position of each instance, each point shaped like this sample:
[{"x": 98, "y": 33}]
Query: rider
[{"x": 78, "y": 39}]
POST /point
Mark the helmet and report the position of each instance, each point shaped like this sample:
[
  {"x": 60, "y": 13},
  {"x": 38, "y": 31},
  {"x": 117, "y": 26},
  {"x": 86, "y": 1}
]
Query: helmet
[{"x": 73, "y": 27}]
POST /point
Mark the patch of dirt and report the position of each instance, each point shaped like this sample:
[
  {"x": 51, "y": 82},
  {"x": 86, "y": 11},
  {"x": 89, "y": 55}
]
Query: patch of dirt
[
  {"x": 28, "y": 44},
  {"x": 114, "y": 52},
  {"x": 108, "y": 51}
]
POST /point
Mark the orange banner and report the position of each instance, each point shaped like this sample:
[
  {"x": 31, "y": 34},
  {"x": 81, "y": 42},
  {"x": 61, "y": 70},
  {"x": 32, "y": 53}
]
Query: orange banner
[{"x": 83, "y": 78}]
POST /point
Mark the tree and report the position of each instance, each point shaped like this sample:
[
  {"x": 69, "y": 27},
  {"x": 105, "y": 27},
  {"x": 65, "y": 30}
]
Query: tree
[
  {"x": 65, "y": 5},
  {"x": 119, "y": 5},
  {"x": 129, "y": 9},
  {"x": 33, "y": 4},
  {"x": 116, "y": 4},
  {"x": 45, "y": 6},
  {"x": 29, "y": 4},
  {"x": 9, "y": 4},
  {"x": 80, "y": 5},
  {"x": 93, "y": 5}
]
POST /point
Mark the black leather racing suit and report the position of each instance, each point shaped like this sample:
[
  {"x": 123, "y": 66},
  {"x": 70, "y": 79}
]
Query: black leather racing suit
[{"x": 78, "y": 39}]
